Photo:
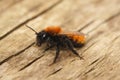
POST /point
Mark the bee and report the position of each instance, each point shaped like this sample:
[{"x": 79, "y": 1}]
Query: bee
[{"x": 54, "y": 36}]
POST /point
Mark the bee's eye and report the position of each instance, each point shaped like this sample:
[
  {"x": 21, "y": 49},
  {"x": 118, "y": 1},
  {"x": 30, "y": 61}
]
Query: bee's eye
[{"x": 44, "y": 36}]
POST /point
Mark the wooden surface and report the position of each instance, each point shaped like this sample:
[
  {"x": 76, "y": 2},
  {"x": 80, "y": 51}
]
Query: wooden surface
[{"x": 21, "y": 59}]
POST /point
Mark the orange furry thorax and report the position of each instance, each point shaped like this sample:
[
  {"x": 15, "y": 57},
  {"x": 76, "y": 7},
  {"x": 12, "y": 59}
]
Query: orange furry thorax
[{"x": 53, "y": 29}]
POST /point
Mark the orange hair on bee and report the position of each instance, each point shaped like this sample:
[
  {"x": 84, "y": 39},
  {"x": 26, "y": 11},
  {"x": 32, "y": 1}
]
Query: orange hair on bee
[
  {"x": 79, "y": 38},
  {"x": 53, "y": 29}
]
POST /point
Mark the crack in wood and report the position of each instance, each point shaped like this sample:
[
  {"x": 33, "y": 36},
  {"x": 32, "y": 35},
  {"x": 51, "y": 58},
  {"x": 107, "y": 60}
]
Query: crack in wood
[
  {"x": 112, "y": 41},
  {"x": 55, "y": 72},
  {"x": 86, "y": 25},
  {"x": 94, "y": 61},
  {"x": 72, "y": 60},
  {"x": 100, "y": 60},
  {"x": 98, "y": 74},
  {"x": 111, "y": 17},
  {"x": 19, "y": 25},
  {"x": 33, "y": 61},
  {"x": 16, "y": 54},
  {"x": 90, "y": 70},
  {"x": 115, "y": 38}
]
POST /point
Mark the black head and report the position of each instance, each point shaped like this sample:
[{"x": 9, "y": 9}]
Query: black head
[{"x": 41, "y": 36}]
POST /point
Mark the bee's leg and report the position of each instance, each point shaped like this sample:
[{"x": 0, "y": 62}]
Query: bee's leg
[
  {"x": 50, "y": 44},
  {"x": 70, "y": 47},
  {"x": 57, "y": 53}
]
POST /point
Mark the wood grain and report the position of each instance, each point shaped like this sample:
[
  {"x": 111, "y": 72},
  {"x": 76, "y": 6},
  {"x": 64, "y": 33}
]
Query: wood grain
[{"x": 21, "y": 59}]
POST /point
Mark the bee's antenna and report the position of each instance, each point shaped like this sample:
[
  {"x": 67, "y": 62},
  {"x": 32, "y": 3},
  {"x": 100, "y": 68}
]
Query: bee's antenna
[{"x": 31, "y": 28}]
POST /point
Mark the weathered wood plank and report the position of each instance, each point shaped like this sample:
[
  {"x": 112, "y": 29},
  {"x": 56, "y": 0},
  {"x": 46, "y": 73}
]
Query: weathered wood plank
[
  {"x": 11, "y": 41},
  {"x": 21, "y": 13},
  {"x": 20, "y": 59}
]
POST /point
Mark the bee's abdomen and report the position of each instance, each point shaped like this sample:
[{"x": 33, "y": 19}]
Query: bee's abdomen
[
  {"x": 79, "y": 39},
  {"x": 76, "y": 44}
]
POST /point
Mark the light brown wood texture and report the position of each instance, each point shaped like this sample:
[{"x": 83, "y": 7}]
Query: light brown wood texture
[{"x": 21, "y": 59}]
